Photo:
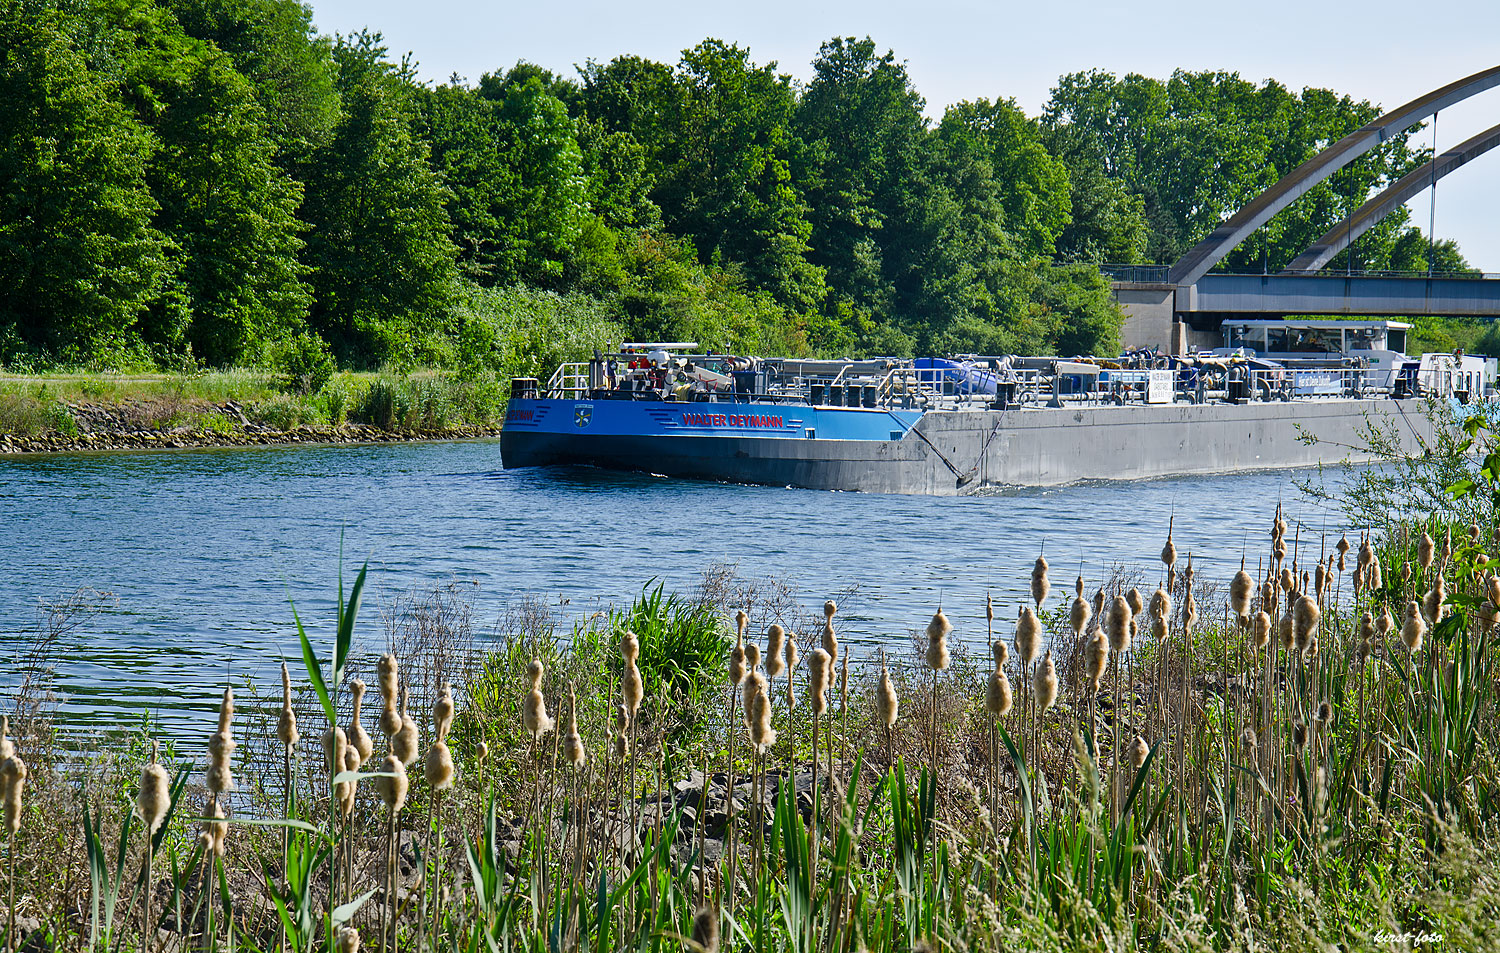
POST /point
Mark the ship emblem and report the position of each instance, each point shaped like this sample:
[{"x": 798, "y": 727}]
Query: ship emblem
[{"x": 582, "y": 414}]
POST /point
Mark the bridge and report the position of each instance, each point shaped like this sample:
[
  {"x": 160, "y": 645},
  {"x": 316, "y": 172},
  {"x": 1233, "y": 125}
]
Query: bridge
[{"x": 1184, "y": 304}]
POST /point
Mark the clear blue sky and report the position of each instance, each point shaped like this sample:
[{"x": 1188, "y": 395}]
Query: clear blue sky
[{"x": 959, "y": 50}]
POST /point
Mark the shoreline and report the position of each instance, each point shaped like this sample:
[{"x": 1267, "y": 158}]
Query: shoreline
[{"x": 188, "y": 438}]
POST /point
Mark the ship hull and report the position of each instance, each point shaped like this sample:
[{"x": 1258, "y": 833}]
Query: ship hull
[{"x": 945, "y": 452}]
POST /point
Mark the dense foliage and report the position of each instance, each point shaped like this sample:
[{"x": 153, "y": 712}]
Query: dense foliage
[{"x": 210, "y": 182}]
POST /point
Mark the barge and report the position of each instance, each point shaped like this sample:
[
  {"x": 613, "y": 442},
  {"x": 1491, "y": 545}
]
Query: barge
[{"x": 953, "y": 426}]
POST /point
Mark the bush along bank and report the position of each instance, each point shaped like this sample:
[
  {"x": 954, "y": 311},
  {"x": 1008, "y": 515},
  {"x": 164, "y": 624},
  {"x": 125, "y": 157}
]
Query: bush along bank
[{"x": 71, "y": 414}]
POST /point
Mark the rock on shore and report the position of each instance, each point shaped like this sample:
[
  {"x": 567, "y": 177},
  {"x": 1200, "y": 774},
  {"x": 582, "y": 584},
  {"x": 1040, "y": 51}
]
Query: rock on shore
[{"x": 110, "y": 428}]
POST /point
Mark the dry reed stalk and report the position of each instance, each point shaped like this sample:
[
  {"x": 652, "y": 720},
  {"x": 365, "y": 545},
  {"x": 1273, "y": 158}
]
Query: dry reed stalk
[
  {"x": 391, "y": 787},
  {"x": 818, "y": 664}
]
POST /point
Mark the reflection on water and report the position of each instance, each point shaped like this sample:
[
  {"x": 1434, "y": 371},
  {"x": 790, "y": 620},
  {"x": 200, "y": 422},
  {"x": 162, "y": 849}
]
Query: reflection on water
[{"x": 203, "y": 550}]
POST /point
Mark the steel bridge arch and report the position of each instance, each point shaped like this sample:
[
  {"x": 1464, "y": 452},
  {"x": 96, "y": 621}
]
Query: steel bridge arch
[
  {"x": 1336, "y": 239},
  {"x": 1222, "y": 240}
]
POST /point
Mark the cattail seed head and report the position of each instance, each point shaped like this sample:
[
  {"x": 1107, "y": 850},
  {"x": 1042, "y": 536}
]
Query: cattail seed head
[
  {"x": 13, "y": 774},
  {"x": 1241, "y": 587},
  {"x": 1028, "y": 635},
  {"x": 620, "y": 747},
  {"x": 937, "y": 641},
  {"x": 775, "y": 637},
  {"x": 481, "y": 752},
  {"x": 1096, "y": 659},
  {"x": 404, "y": 742},
  {"x": 1134, "y": 600},
  {"x": 439, "y": 767},
  {"x": 1434, "y": 601},
  {"x": 1299, "y": 734},
  {"x": 989, "y": 609},
  {"x": 1425, "y": 550},
  {"x": 1376, "y": 576},
  {"x": 754, "y": 682},
  {"x": 829, "y": 608},
  {"x": 1384, "y": 623},
  {"x": 359, "y": 739},
  {"x": 630, "y": 644},
  {"x": 706, "y": 929},
  {"x": 442, "y": 712},
  {"x": 1288, "y": 581},
  {"x": 762, "y": 735},
  {"x": 752, "y": 656},
  {"x": 1079, "y": 614},
  {"x": 737, "y": 664},
  {"x": 633, "y": 689},
  {"x": 830, "y": 640},
  {"x": 388, "y": 672},
  {"x": 1044, "y": 682},
  {"x": 817, "y": 674},
  {"x": 226, "y": 709},
  {"x": 1117, "y": 625},
  {"x": 534, "y": 714},
  {"x": 1161, "y": 604},
  {"x": 7, "y": 747},
  {"x": 1321, "y": 584},
  {"x": 335, "y": 740},
  {"x": 1169, "y": 552},
  {"x": 1189, "y": 609},
  {"x": 1487, "y": 615},
  {"x": 216, "y": 829},
  {"x": 621, "y": 721},
  {"x": 790, "y": 651},
  {"x": 1325, "y": 714},
  {"x": 887, "y": 705},
  {"x": 1288, "y": 629},
  {"x": 1307, "y": 617},
  {"x": 1492, "y": 588},
  {"x": 392, "y": 789},
  {"x": 346, "y": 940},
  {"x": 1040, "y": 585},
  {"x": 1138, "y": 752},
  {"x": 153, "y": 799},
  {"x": 998, "y": 697},
  {"x": 1261, "y": 630},
  {"x": 1342, "y": 546},
  {"x": 1413, "y": 629},
  {"x": 344, "y": 790},
  {"x": 573, "y": 750}
]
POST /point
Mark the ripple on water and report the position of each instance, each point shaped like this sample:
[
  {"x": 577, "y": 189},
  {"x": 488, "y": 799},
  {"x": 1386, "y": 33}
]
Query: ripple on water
[{"x": 203, "y": 549}]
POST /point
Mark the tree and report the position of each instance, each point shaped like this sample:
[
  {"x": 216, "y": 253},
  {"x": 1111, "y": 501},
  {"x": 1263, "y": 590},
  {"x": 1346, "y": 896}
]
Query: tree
[
  {"x": 379, "y": 248},
  {"x": 229, "y": 211},
  {"x": 1034, "y": 186},
  {"x": 862, "y": 173},
  {"x": 79, "y": 256},
  {"x": 519, "y": 195},
  {"x": 728, "y": 184},
  {"x": 273, "y": 45}
]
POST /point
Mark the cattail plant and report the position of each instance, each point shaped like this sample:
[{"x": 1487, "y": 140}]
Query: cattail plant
[
  {"x": 1079, "y": 612},
  {"x": 152, "y": 802},
  {"x": 1044, "y": 690},
  {"x": 390, "y": 677},
  {"x": 1040, "y": 585},
  {"x": 830, "y": 640},
  {"x": 1342, "y": 548},
  {"x": 220, "y": 781},
  {"x": 391, "y": 785},
  {"x": 1169, "y": 556},
  {"x": 13, "y": 775},
  {"x": 1413, "y": 629},
  {"x": 359, "y": 739},
  {"x": 1241, "y": 587},
  {"x": 438, "y": 771},
  {"x": 404, "y": 742},
  {"x": 887, "y": 707},
  {"x": 819, "y": 664},
  {"x": 705, "y": 935},
  {"x": 938, "y": 660},
  {"x": 1425, "y": 551}
]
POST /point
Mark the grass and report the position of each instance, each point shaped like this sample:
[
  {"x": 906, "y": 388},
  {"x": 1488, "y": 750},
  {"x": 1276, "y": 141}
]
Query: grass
[
  {"x": 214, "y": 401},
  {"x": 1288, "y": 800}
]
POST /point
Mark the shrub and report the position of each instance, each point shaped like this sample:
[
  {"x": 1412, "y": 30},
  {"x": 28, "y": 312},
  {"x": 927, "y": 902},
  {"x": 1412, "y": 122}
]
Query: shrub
[
  {"x": 303, "y": 363},
  {"x": 35, "y": 412}
]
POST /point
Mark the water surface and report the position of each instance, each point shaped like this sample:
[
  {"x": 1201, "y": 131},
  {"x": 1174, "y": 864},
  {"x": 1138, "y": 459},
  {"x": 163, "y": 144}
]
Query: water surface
[{"x": 201, "y": 551}]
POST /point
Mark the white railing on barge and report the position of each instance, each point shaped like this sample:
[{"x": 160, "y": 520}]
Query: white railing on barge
[{"x": 914, "y": 388}]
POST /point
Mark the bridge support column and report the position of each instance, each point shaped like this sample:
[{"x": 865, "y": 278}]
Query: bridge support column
[{"x": 1149, "y": 312}]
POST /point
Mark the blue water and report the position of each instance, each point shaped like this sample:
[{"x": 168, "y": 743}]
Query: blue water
[{"x": 201, "y": 551}]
